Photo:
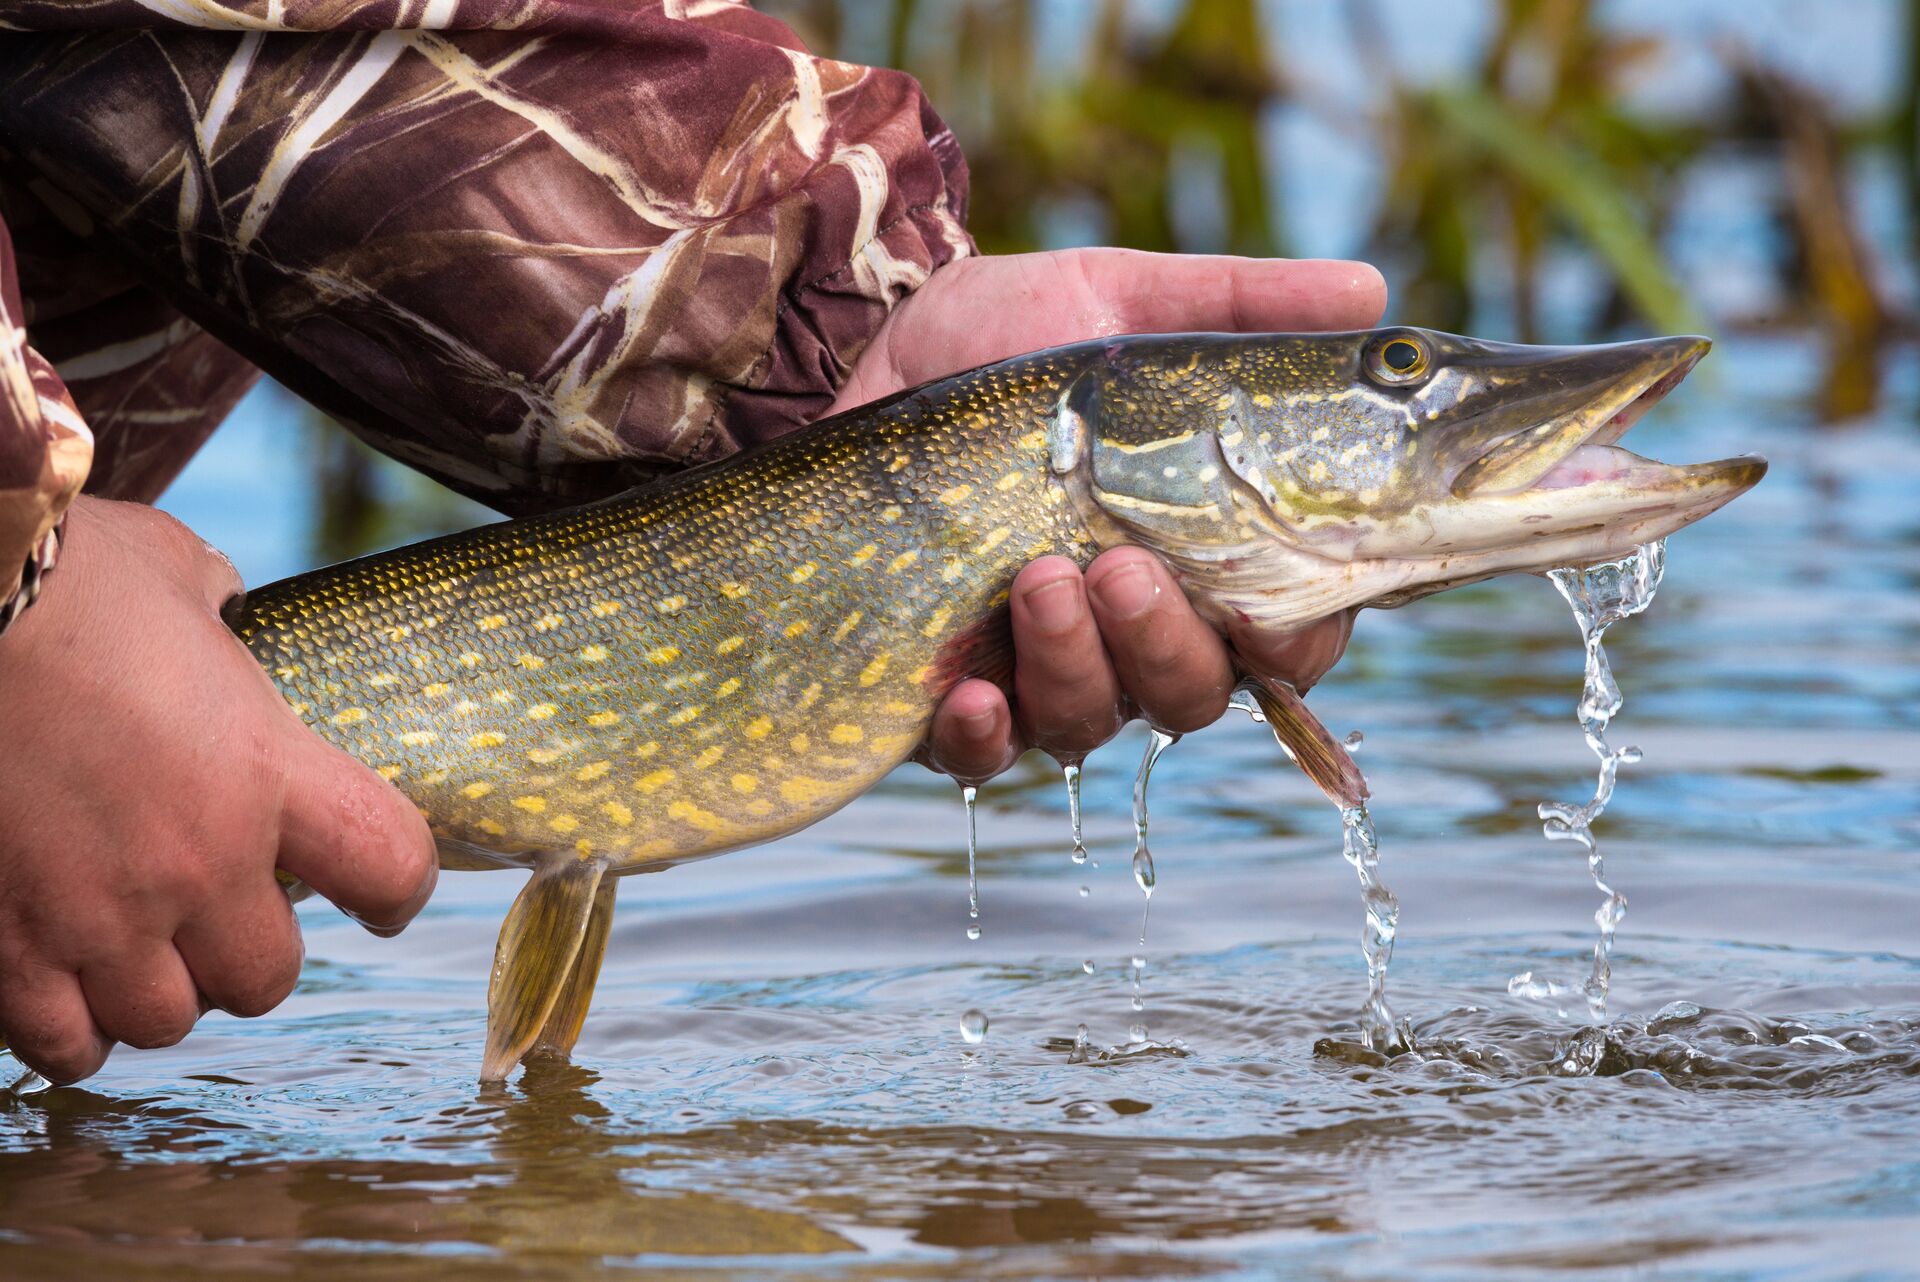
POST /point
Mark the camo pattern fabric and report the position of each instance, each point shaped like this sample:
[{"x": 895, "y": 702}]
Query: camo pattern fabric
[{"x": 540, "y": 249}]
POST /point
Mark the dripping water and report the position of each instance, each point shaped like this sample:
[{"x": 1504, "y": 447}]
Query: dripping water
[
  {"x": 1601, "y": 596},
  {"x": 1158, "y": 741},
  {"x": 1362, "y": 850},
  {"x": 970, "y": 795},
  {"x": 1072, "y": 772}
]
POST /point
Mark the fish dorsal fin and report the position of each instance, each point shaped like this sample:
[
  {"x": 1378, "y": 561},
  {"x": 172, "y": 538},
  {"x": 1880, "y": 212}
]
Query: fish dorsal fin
[
  {"x": 1311, "y": 745},
  {"x": 562, "y": 1028},
  {"x": 534, "y": 960}
]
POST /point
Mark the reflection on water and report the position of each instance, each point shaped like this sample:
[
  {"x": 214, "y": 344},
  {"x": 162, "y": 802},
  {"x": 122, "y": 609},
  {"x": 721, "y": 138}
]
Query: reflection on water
[{"x": 774, "y": 1082}]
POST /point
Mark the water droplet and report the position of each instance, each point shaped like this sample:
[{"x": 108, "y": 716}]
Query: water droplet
[
  {"x": 1143, "y": 870},
  {"x": 1085, "y": 891},
  {"x": 1081, "y": 1108},
  {"x": 973, "y": 930},
  {"x": 1353, "y": 740},
  {"x": 1137, "y": 1034},
  {"x": 973, "y": 1027},
  {"x": 1086, "y": 967}
]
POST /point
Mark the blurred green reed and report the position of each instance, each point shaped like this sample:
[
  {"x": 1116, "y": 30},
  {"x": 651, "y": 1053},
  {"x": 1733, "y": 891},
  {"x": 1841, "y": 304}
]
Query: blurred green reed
[{"x": 1151, "y": 134}]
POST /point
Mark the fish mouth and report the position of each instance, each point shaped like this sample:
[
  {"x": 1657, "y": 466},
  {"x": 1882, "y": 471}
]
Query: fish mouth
[{"x": 1594, "y": 396}]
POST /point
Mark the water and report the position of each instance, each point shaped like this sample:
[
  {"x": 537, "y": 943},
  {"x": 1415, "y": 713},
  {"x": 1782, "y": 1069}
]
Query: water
[
  {"x": 970, "y": 798},
  {"x": 773, "y": 1084},
  {"x": 1601, "y": 596}
]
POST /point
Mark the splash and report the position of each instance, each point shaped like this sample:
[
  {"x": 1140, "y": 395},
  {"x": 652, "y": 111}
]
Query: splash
[
  {"x": 1360, "y": 845},
  {"x": 1601, "y": 596}
]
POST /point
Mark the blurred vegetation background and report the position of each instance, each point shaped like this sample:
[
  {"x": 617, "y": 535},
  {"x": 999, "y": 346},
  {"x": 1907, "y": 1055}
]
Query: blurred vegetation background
[{"x": 1544, "y": 170}]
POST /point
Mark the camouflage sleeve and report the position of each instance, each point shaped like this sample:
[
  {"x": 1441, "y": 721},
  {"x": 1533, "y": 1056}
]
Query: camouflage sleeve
[
  {"x": 542, "y": 249},
  {"x": 44, "y": 451}
]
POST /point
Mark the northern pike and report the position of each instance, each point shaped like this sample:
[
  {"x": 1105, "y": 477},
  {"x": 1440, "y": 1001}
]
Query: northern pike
[{"x": 729, "y": 655}]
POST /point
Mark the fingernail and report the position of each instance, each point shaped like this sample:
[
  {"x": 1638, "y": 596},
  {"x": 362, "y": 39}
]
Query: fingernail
[
  {"x": 1054, "y": 607},
  {"x": 1127, "y": 591}
]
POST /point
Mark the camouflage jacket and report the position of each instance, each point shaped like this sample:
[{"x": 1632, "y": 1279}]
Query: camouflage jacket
[{"x": 539, "y": 249}]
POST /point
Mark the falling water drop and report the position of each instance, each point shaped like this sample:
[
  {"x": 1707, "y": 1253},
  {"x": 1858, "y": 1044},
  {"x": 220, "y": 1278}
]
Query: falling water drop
[
  {"x": 970, "y": 795},
  {"x": 1362, "y": 850},
  {"x": 1139, "y": 967},
  {"x": 1137, "y": 1034},
  {"x": 1601, "y": 596},
  {"x": 1144, "y": 876},
  {"x": 1353, "y": 740},
  {"x": 1086, "y": 967},
  {"x": 1143, "y": 871},
  {"x": 973, "y": 1027}
]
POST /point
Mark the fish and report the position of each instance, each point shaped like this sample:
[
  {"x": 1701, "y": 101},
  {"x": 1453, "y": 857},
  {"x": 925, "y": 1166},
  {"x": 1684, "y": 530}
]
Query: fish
[{"x": 731, "y": 654}]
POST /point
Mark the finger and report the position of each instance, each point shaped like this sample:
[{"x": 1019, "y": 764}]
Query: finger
[
  {"x": 973, "y": 737},
  {"x": 1068, "y": 694},
  {"x": 44, "y": 1017},
  {"x": 1169, "y": 293},
  {"x": 352, "y": 837},
  {"x": 1300, "y": 656},
  {"x": 248, "y": 960},
  {"x": 1172, "y": 665},
  {"x": 144, "y": 998}
]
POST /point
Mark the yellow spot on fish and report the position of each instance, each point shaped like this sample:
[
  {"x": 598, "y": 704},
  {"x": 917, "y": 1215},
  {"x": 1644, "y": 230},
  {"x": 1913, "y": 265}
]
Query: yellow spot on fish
[
  {"x": 564, "y": 823},
  {"x": 902, "y": 561},
  {"x": 501, "y": 696},
  {"x": 601, "y": 609},
  {"x": 847, "y": 625},
  {"x": 891, "y": 513},
  {"x": 798, "y": 626},
  {"x": 686, "y": 714},
  {"x": 435, "y": 689},
  {"x": 594, "y": 654},
  {"x": 388, "y": 773},
  {"x": 726, "y": 687},
  {"x": 476, "y": 790},
  {"x": 955, "y": 494},
  {"x": 543, "y": 756},
  {"x": 541, "y": 711},
  {"x": 617, "y": 812},
  {"x": 745, "y": 783},
  {"x": 995, "y": 538},
  {"x": 584, "y": 846},
  {"x": 802, "y": 790},
  {"x": 291, "y": 671},
  {"x": 1263, "y": 400},
  {"x": 729, "y": 645},
  {"x": 1009, "y": 481},
  {"x": 936, "y": 621},
  {"x": 349, "y": 716},
  {"x": 801, "y": 574},
  {"x": 602, "y": 718},
  {"x": 688, "y": 813},
  {"x": 469, "y": 660},
  {"x": 733, "y": 591},
  {"x": 710, "y": 756},
  {"x": 486, "y": 739},
  {"x": 646, "y": 750},
  {"x": 654, "y": 781},
  {"x": 844, "y": 733},
  {"x": 399, "y": 632},
  {"x": 418, "y": 738},
  {"x": 800, "y": 743},
  {"x": 809, "y": 696},
  {"x": 671, "y": 604},
  {"x": 532, "y": 805},
  {"x": 548, "y": 622},
  {"x": 863, "y": 556},
  {"x": 759, "y": 727},
  {"x": 531, "y": 661},
  {"x": 664, "y": 655},
  {"x": 382, "y": 680},
  {"x": 872, "y": 673},
  {"x": 592, "y": 770},
  {"x": 491, "y": 826},
  {"x": 493, "y": 621}
]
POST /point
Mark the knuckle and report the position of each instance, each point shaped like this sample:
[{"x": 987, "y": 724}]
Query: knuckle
[{"x": 63, "y": 1059}]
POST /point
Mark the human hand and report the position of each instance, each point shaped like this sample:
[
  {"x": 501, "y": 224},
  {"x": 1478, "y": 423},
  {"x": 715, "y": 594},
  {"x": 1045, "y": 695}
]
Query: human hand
[
  {"x": 1091, "y": 651},
  {"x": 152, "y": 779}
]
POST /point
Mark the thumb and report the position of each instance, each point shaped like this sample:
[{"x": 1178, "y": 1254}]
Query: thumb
[{"x": 354, "y": 837}]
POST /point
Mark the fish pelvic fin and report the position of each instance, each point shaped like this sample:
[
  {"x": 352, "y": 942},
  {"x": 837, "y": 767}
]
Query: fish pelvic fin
[
  {"x": 562, "y": 1028},
  {"x": 533, "y": 964},
  {"x": 1323, "y": 759}
]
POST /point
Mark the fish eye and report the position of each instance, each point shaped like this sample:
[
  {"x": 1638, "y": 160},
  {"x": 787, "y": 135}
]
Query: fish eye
[{"x": 1401, "y": 359}]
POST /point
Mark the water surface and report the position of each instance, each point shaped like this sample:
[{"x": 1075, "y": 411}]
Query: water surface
[{"x": 774, "y": 1081}]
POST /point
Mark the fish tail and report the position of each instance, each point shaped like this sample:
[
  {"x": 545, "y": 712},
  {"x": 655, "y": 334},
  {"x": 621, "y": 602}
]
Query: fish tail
[{"x": 533, "y": 964}]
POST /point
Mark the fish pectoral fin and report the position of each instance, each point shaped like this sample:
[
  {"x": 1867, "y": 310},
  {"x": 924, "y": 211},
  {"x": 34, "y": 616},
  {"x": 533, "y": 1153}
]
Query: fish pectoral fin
[
  {"x": 533, "y": 963},
  {"x": 1323, "y": 759},
  {"x": 562, "y": 1028}
]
